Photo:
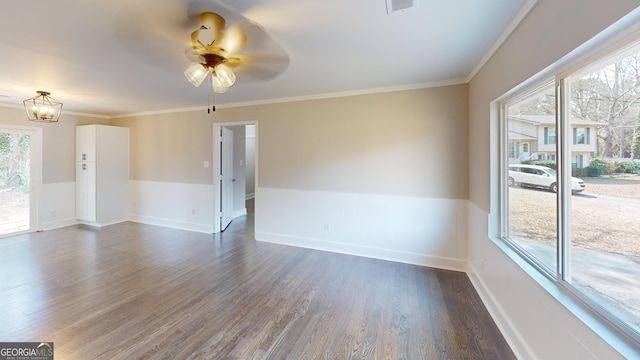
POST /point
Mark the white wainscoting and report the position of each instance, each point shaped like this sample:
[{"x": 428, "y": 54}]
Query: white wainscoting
[
  {"x": 422, "y": 231},
  {"x": 56, "y": 205},
  {"x": 174, "y": 205}
]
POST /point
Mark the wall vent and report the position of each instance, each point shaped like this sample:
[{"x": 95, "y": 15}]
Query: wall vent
[{"x": 400, "y": 5}]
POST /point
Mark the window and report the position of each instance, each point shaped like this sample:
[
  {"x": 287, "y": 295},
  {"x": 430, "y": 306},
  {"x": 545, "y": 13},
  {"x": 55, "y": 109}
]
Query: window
[
  {"x": 532, "y": 212},
  {"x": 577, "y": 161},
  {"x": 578, "y": 228},
  {"x": 549, "y": 136},
  {"x": 581, "y": 136}
]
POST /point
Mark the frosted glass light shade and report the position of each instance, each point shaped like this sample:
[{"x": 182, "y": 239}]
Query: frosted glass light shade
[
  {"x": 218, "y": 86},
  {"x": 196, "y": 74},
  {"x": 225, "y": 76}
]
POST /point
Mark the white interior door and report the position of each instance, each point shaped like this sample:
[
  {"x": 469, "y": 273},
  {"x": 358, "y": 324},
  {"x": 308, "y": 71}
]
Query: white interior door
[{"x": 226, "y": 178}]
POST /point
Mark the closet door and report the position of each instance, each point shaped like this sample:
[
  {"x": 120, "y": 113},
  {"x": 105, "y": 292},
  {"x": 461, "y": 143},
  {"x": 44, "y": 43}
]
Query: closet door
[{"x": 86, "y": 191}]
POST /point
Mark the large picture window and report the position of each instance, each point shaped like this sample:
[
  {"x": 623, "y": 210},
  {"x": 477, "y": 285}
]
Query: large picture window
[{"x": 573, "y": 211}]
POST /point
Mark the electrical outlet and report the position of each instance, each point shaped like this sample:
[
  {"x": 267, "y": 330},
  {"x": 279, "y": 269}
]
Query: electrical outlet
[
  {"x": 327, "y": 227},
  {"x": 193, "y": 211},
  {"x": 52, "y": 213}
]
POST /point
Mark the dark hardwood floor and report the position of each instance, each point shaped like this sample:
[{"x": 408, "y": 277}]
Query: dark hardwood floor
[{"x": 134, "y": 291}]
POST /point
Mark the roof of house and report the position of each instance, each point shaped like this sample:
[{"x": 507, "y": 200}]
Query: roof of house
[
  {"x": 519, "y": 136},
  {"x": 551, "y": 120}
]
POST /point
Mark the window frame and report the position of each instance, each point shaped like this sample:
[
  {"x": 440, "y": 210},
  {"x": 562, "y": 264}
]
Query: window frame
[
  {"x": 561, "y": 279},
  {"x": 504, "y": 174}
]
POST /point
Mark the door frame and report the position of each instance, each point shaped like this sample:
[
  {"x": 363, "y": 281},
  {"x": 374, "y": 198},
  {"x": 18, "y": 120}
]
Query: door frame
[
  {"x": 217, "y": 190},
  {"x": 36, "y": 172},
  {"x": 227, "y": 181}
]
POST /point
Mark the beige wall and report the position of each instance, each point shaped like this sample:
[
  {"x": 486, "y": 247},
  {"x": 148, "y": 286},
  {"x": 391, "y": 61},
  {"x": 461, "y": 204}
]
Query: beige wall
[
  {"x": 171, "y": 147},
  {"x": 410, "y": 143},
  {"x": 58, "y": 142}
]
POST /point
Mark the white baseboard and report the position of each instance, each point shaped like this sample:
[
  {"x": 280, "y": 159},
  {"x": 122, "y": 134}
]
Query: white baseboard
[
  {"x": 99, "y": 224},
  {"x": 56, "y": 224},
  {"x": 500, "y": 317},
  {"x": 369, "y": 252},
  {"x": 239, "y": 213},
  {"x": 202, "y": 228}
]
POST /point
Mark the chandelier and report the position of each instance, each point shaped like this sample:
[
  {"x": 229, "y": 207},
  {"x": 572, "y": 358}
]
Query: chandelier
[{"x": 43, "y": 108}]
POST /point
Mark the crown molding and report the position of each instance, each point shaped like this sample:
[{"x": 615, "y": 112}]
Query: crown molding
[{"x": 517, "y": 19}]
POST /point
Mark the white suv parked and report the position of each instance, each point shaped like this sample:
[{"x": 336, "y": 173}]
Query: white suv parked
[{"x": 539, "y": 176}]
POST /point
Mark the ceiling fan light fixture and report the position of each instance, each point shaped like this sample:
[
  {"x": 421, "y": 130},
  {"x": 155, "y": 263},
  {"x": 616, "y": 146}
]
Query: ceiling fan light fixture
[
  {"x": 225, "y": 76},
  {"x": 218, "y": 86},
  {"x": 43, "y": 108},
  {"x": 196, "y": 74}
]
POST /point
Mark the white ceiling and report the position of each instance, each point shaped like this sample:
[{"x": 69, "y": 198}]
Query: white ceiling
[{"x": 81, "y": 51}]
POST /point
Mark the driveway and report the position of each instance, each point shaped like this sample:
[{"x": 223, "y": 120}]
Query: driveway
[{"x": 605, "y": 256}]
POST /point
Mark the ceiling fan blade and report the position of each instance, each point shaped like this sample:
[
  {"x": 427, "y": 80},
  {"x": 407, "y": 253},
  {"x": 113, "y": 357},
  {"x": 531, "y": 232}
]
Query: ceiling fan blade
[
  {"x": 192, "y": 55},
  {"x": 232, "y": 41},
  {"x": 258, "y": 67},
  {"x": 152, "y": 32}
]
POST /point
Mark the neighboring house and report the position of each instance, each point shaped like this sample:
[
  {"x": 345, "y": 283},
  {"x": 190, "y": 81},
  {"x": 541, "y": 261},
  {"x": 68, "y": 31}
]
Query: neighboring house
[{"x": 533, "y": 137}]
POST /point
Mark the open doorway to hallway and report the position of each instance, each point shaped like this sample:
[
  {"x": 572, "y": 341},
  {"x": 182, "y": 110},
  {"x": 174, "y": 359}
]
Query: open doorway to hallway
[
  {"x": 250, "y": 174},
  {"x": 234, "y": 172}
]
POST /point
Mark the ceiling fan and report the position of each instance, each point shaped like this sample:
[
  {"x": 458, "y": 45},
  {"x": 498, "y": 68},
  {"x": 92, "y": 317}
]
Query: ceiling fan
[
  {"x": 218, "y": 50},
  {"x": 223, "y": 43}
]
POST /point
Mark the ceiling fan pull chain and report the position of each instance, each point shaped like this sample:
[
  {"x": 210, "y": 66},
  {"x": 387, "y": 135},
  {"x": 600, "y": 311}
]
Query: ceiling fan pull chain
[
  {"x": 209, "y": 97},
  {"x": 213, "y": 96}
]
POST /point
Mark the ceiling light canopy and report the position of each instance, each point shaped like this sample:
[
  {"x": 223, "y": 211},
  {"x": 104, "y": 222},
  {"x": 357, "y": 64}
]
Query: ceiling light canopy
[{"x": 43, "y": 108}]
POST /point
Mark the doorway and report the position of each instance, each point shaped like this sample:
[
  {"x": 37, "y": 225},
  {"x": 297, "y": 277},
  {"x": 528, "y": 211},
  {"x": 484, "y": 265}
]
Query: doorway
[
  {"x": 234, "y": 171},
  {"x": 19, "y": 178}
]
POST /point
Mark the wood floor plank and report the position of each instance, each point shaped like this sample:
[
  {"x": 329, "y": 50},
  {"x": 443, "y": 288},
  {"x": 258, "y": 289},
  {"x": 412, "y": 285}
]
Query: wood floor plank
[{"x": 135, "y": 291}]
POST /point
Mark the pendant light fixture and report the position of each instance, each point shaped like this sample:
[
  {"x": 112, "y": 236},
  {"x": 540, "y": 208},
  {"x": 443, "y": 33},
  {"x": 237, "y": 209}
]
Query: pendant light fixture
[{"x": 43, "y": 108}]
